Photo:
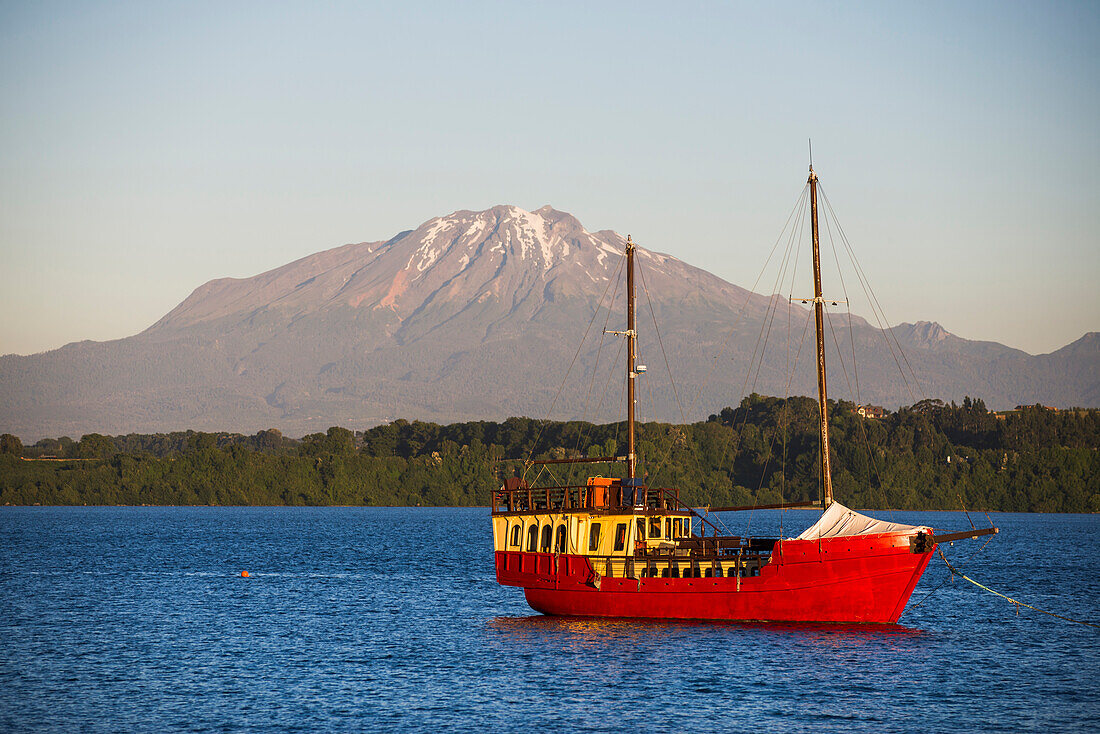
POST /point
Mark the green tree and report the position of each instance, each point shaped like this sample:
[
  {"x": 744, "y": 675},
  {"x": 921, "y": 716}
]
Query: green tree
[{"x": 10, "y": 444}]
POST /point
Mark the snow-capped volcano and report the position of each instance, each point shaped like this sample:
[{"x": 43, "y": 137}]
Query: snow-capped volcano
[
  {"x": 456, "y": 260},
  {"x": 479, "y": 314}
]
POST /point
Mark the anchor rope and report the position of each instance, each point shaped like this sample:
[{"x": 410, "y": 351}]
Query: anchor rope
[
  {"x": 949, "y": 577},
  {"x": 1017, "y": 602}
]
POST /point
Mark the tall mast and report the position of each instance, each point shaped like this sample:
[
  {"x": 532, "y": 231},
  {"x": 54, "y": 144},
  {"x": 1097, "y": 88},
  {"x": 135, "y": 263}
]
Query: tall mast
[
  {"x": 819, "y": 318},
  {"x": 631, "y": 335}
]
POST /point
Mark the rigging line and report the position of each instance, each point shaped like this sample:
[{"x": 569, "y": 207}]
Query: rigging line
[
  {"x": 582, "y": 436},
  {"x": 775, "y": 431},
  {"x": 585, "y": 432},
  {"x": 855, "y": 364},
  {"x": 622, "y": 411},
  {"x": 789, "y": 258},
  {"x": 848, "y": 382},
  {"x": 872, "y": 464},
  {"x": 799, "y": 208},
  {"x": 653, "y": 408},
  {"x": 862, "y": 428},
  {"x": 759, "y": 486},
  {"x": 603, "y": 394},
  {"x": 553, "y": 476},
  {"x": 748, "y": 297},
  {"x": 769, "y": 317},
  {"x": 1017, "y": 602},
  {"x": 786, "y": 411},
  {"x": 760, "y": 345},
  {"x": 657, "y": 331},
  {"x": 797, "y": 355},
  {"x": 876, "y": 307},
  {"x": 847, "y": 301},
  {"x": 561, "y": 387}
]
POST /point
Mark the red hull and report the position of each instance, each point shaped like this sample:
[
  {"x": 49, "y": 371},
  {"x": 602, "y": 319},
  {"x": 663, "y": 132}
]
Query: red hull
[{"x": 861, "y": 579}]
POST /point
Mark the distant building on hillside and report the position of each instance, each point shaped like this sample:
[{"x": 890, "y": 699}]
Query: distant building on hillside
[{"x": 871, "y": 411}]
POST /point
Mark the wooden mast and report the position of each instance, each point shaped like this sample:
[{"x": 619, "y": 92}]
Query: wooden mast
[
  {"x": 819, "y": 318},
  {"x": 631, "y": 335}
]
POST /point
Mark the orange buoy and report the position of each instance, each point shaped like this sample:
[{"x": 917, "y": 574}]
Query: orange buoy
[{"x": 244, "y": 574}]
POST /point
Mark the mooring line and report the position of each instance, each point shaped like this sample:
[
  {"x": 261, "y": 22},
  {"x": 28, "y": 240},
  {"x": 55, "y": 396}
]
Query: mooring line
[
  {"x": 950, "y": 577},
  {"x": 1017, "y": 602}
]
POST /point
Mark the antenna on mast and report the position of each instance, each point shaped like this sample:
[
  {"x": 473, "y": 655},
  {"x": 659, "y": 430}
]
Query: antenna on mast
[{"x": 810, "y": 141}]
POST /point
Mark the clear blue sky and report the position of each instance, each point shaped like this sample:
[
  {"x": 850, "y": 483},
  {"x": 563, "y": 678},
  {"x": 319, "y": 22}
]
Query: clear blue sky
[{"x": 147, "y": 147}]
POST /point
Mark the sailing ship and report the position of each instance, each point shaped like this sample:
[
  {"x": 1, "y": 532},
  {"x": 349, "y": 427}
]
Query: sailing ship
[{"x": 615, "y": 547}]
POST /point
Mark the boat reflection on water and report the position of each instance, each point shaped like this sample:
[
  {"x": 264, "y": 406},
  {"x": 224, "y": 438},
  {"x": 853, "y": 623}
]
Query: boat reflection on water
[{"x": 535, "y": 629}]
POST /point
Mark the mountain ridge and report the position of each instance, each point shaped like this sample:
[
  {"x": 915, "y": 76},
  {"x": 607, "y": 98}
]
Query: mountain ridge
[{"x": 477, "y": 315}]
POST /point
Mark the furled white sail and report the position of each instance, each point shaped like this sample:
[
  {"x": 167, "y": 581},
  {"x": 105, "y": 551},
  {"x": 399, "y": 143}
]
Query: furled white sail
[{"x": 838, "y": 521}]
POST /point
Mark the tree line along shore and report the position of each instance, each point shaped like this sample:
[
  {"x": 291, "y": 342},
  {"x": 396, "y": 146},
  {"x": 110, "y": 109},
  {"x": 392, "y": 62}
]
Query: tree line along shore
[{"x": 929, "y": 456}]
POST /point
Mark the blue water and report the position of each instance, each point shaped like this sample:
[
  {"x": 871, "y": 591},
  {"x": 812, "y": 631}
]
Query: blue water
[{"x": 137, "y": 619}]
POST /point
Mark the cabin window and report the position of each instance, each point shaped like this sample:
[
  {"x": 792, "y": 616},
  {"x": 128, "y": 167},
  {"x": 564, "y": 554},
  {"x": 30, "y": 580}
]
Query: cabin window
[
  {"x": 641, "y": 528},
  {"x": 559, "y": 542},
  {"x": 654, "y": 527},
  {"x": 620, "y": 536},
  {"x": 547, "y": 533},
  {"x": 668, "y": 528},
  {"x": 594, "y": 537},
  {"x": 533, "y": 539},
  {"x": 516, "y": 530}
]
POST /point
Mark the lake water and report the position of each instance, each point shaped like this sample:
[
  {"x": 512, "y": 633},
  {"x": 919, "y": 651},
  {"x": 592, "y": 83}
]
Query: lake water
[{"x": 137, "y": 619}]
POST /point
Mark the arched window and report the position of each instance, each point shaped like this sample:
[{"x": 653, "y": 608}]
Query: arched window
[
  {"x": 559, "y": 541},
  {"x": 515, "y": 535},
  {"x": 533, "y": 539},
  {"x": 547, "y": 531}
]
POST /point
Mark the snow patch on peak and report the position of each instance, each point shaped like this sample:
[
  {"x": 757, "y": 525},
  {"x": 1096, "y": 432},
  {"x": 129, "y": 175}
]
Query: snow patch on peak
[
  {"x": 532, "y": 233},
  {"x": 474, "y": 230},
  {"x": 439, "y": 224}
]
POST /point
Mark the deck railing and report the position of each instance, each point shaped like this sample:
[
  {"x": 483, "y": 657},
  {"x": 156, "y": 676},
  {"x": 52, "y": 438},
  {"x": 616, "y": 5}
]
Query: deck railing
[{"x": 564, "y": 498}]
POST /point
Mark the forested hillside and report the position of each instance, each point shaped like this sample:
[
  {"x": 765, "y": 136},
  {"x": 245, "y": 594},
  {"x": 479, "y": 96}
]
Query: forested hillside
[{"x": 927, "y": 456}]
